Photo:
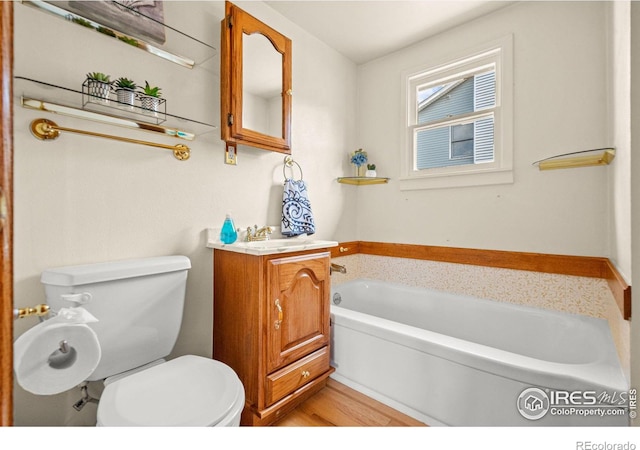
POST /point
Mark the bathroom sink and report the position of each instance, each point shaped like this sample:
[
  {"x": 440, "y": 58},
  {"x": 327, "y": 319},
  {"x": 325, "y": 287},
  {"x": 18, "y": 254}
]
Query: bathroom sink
[{"x": 272, "y": 246}]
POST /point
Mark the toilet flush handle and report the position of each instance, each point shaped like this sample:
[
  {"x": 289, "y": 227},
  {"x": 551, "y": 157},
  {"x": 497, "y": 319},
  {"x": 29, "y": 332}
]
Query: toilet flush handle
[{"x": 80, "y": 299}]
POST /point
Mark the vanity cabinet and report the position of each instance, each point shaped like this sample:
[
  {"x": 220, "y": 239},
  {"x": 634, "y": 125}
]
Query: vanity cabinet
[{"x": 271, "y": 325}]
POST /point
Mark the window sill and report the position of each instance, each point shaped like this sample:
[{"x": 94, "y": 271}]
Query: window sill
[{"x": 453, "y": 180}]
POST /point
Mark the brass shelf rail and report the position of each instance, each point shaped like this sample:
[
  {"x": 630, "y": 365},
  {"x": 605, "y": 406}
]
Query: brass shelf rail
[{"x": 45, "y": 130}]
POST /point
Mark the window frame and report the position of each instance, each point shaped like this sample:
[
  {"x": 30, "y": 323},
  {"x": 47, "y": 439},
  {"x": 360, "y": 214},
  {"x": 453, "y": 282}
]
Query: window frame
[{"x": 496, "y": 54}]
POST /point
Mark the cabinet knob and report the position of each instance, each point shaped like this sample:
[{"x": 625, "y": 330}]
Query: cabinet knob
[
  {"x": 344, "y": 249},
  {"x": 305, "y": 374}
]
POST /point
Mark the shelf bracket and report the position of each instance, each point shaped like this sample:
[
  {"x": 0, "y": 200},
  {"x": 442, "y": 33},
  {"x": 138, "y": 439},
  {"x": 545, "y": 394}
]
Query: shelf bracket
[{"x": 47, "y": 130}]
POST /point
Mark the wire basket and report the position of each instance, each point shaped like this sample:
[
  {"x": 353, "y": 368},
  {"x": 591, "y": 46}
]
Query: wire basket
[{"x": 100, "y": 96}]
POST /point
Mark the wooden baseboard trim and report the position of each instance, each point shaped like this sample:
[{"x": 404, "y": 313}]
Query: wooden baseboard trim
[{"x": 583, "y": 266}]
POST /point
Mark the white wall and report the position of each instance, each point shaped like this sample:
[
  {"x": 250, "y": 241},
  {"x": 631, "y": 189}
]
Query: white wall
[
  {"x": 81, "y": 199},
  {"x": 559, "y": 106},
  {"x": 619, "y": 64}
]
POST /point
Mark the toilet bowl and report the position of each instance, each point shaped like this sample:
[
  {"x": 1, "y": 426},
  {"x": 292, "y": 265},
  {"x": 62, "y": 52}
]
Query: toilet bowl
[{"x": 186, "y": 391}]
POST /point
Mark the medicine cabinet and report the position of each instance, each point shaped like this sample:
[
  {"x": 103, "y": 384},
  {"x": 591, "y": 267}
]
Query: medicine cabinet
[{"x": 255, "y": 83}]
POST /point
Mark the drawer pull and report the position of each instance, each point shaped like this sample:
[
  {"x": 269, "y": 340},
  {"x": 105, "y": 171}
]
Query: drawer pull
[
  {"x": 344, "y": 249},
  {"x": 305, "y": 374},
  {"x": 278, "y": 322}
]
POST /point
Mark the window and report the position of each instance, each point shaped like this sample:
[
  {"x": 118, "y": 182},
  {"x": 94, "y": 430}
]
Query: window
[{"x": 458, "y": 121}]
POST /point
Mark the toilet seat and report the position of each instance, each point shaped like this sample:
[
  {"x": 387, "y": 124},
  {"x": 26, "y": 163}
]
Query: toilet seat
[{"x": 186, "y": 391}]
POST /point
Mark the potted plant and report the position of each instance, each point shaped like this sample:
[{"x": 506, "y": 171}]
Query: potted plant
[
  {"x": 371, "y": 171},
  {"x": 150, "y": 99},
  {"x": 126, "y": 91},
  {"x": 98, "y": 86}
]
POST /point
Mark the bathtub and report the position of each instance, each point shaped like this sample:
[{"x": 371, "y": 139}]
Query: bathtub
[{"x": 448, "y": 359}]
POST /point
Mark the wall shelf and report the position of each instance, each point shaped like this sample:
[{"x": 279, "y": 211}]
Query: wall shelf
[
  {"x": 599, "y": 157},
  {"x": 362, "y": 180},
  {"x": 179, "y": 47},
  {"x": 48, "y": 97}
]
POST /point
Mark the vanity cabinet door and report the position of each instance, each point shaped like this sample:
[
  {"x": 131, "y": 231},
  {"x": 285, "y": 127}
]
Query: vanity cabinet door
[{"x": 297, "y": 307}]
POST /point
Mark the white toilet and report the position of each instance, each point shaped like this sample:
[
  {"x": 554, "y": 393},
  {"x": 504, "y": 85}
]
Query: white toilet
[{"x": 138, "y": 305}]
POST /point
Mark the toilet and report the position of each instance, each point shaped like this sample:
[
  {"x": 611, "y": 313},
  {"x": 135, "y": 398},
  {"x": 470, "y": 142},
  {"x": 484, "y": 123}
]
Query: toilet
[{"x": 138, "y": 305}]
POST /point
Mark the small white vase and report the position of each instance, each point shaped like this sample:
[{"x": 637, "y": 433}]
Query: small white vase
[{"x": 370, "y": 174}]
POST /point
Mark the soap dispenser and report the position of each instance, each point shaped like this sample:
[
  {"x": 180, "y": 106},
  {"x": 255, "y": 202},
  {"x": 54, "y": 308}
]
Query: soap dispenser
[{"x": 228, "y": 235}]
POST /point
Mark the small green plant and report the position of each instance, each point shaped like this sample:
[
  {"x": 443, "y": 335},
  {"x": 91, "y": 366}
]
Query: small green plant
[
  {"x": 129, "y": 40},
  {"x": 81, "y": 21},
  {"x": 106, "y": 31},
  {"x": 99, "y": 76},
  {"x": 151, "y": 91},
  {"x": 371, "y": 167},
  {"x": 125, "y": 83}
]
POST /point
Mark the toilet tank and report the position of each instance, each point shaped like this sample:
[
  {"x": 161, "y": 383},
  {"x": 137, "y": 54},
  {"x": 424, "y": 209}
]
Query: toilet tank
[{"x": 138, "y": 304}]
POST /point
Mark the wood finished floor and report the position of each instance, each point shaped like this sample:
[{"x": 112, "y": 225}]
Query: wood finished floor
[{"x": 337, "y": 405}]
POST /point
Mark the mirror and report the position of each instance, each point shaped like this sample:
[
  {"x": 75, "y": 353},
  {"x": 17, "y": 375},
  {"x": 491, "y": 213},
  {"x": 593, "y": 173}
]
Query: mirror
[
  {"x": 255, "y": 83},
  {"x": 261, "y": 85}
]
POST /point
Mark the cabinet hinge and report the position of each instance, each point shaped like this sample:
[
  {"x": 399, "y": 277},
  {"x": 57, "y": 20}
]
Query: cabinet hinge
[
  {"x": 230, "y": 22},
  {"x": 229, "y": 119}
]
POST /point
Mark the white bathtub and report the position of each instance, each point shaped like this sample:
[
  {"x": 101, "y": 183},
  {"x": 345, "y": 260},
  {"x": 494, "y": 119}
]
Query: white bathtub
[{"x": 449, "y": 359}]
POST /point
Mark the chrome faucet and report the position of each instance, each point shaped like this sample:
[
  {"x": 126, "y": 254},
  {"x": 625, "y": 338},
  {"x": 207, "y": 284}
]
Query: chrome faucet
[{"x": 258, "y": 234}]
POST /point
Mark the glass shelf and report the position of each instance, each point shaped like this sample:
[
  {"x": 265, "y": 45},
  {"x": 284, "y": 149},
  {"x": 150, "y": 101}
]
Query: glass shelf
[
  {"x": 48, "y": 97},
  {"x": 179, "y": 47},
  {"x": 362, "y": 180}
]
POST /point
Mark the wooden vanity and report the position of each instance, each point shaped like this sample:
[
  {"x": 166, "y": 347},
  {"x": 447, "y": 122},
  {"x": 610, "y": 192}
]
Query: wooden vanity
[{"x": 271, "y": 325}]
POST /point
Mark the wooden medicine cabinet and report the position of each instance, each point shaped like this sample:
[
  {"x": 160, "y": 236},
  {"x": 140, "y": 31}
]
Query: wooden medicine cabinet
[{"x": 255, "y": 83}]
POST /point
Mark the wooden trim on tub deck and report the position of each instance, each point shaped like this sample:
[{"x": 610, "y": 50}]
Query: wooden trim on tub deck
[
  {"x": 345, "y": 249},
  {"x": 620, "y": 289},
  {"x": 583, "y": 266}
]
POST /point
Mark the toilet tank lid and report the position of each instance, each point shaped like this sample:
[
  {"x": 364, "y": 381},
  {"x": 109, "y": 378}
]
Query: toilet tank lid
[{"x": 114, "y": 270}]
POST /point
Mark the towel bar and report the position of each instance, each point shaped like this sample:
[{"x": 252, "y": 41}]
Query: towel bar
[{"x": 45, "y": 130}]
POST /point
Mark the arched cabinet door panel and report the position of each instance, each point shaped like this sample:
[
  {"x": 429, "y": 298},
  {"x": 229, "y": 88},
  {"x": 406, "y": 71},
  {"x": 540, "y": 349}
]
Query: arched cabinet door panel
[{"x": 296, "y": 308}]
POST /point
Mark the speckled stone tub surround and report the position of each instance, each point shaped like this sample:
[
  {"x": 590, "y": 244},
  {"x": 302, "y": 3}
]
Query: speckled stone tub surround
[{"x": 572, "y": 294}]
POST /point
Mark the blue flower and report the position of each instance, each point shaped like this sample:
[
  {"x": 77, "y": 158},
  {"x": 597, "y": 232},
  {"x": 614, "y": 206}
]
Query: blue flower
[{"x": 359, "y": 158}]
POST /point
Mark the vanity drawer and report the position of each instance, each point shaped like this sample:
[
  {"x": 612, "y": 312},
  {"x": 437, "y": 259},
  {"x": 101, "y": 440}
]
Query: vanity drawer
[{"x": 291, "y": 377}]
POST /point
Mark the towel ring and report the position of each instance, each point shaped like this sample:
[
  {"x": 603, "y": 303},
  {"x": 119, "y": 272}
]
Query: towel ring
[{"x": 289, "y": 162}]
